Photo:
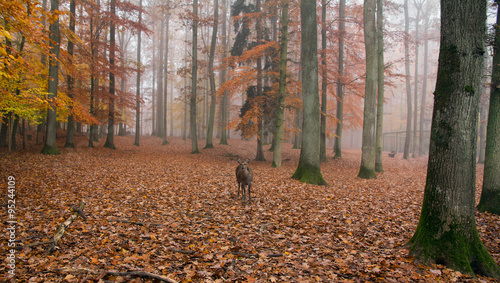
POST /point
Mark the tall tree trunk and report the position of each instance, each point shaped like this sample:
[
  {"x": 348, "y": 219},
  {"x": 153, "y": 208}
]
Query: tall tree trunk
[
  {"x": 308, "y": 169},
  {"x": 424, "y": 85},
  {"x": 71, "y": 121},
  {"x": 213, "y": 99},
  {"x": 260, "y": 147},
  {"x": 447, "y": 233},
  {"x": 159, "y": 97},
  {"x": 165, "y": 74},
  {"x": 367, "y": 169},
  {"x": 54, "y": 43},
  {"x": 409, "y": 112},
  {"x": 380, "y": 83},
  {"x": 138, "y": 84},
  {"x": 194, "y": 79},
  {"x": 112, "y": 46},
  {"x": 490, "y": 195},
  {"x": 153, "y": 92},
  {"x": 280, "y": 109},
  {"x": 340, "y": 85},
  {"x": 418, "y": 5},
  {"x": 324, "y": 85},
  {"x": 224, "y": 105}
]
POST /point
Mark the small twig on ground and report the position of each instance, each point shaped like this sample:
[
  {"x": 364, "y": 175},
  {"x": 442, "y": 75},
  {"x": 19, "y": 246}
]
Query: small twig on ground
[{"x": 136, "y": 222}]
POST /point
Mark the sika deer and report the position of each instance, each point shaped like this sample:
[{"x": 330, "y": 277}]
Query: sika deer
[{"x": 244, "y": 176}]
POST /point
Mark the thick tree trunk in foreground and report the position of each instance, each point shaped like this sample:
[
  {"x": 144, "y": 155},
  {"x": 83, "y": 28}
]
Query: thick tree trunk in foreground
[
  {"x": 367, "y": 169},
  {"x": 447, "y": 233},
  {"x": 490, "y": 196},
  {"x": 280, "y": 112},
  {"x": 308, "y": 169},
  {"x": 55, "y": 41}
]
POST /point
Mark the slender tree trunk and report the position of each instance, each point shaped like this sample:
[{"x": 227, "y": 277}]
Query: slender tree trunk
[
  {"x": 54, "y": 43},
  {"x": 165, "y": 74},
  {"x": 153, "y": 92},
  {"x": 194, "y": 79},
  {"x": 213, "y": 99},
  {"x": 490, "y": 195},
  {"x": 260, "y": 147},
  {"x": 112, "y": 46},
  {"x": 138, "y": 84},
  {"x": 380, "y": 83},
  {"x": 424, "y": 86},
  {"x": 308, "y": 169},
  {"x": 408, "y": 139},
  {"x": 447, "y": 233},
  {"x": 367, "y": 169},
  {"x": 159, "y": 97},
  {"x": 418, "y": 5},
  {"x": 225, "y": 99},
  {"x": 280, "y": 109},
  {"x": 71, "y": 121},
  {"x": 324, "y": 85},
  {"x": 340, "y": 85}
]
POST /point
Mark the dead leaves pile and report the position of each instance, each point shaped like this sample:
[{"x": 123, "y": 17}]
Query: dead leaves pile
[{"x": 161, "y": 210}]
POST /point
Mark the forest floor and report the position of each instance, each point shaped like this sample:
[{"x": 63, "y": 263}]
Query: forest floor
[{"x": 162, "y": 210}]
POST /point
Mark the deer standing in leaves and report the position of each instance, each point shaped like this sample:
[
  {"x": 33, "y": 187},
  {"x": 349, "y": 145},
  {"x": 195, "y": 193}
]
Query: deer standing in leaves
[{"x": 244, "y": 176}]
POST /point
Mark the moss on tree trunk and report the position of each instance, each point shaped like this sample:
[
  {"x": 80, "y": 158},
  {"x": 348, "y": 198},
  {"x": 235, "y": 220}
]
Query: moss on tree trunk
[{"x": 447, "y": 232}]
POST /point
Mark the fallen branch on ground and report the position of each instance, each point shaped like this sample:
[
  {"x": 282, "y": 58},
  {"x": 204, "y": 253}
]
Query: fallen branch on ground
[{"x": 65, "y": 224}]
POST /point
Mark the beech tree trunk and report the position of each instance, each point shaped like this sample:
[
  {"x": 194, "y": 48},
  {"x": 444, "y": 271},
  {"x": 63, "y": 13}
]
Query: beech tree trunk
[
  {"x": 421, "y": 140},
  {"x": 308, "y": 169},
  {"x": 54, "y": 43},
  {"x": 340, "y": 85},
  {"x": 194, "y": 78},
  {"x": 409, "y": 112},
  {"x": 367, "y": 169},
  {"x": 490, "y": 195},
  {"x": 447, "y": 233},
  {"x": 260, "y": 147},
  {"x": 213, "y": 98},
  {"x": 71, "y": 121},
  {"x": 380, "y": 84},
  {"x": 165, "y": 75},
  {"x": 224, "y": 107},
  {"x": 112, "y": 46},
  {"x": 324, "y": 84},
  {"x": 138, "y": 84},
  {"x": 280, "y": 109}
]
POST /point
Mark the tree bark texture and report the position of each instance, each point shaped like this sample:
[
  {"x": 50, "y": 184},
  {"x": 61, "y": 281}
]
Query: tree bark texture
[
  {"x": 367, "y": 169},
  {"x": 54, "y": 43},
  {"x": 490, "y": 195},
  {"x": 280, "y": 111},
  {"x": 138, "y": 84},
  {"x": 447, "y": 233},
  {"x": 308, "y": 169},
  {"x": 380, "y": 84}
]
